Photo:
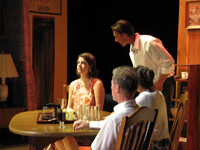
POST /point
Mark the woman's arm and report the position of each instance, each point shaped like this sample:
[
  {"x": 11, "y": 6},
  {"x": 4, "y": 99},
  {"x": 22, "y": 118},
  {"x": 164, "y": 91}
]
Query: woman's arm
[{"x": 99, "y": 94}]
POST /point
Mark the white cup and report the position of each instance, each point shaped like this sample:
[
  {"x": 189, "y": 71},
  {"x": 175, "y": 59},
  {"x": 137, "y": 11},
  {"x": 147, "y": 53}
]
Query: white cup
[
  {"x": 184, "y": 75},
  {"x": 69, "y": 114}
]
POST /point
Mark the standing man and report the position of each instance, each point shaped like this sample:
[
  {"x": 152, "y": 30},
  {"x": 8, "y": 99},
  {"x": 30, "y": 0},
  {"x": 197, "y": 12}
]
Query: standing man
[
  {"x": 124, "y": 85},
  {"x": 148, "y": 51}
]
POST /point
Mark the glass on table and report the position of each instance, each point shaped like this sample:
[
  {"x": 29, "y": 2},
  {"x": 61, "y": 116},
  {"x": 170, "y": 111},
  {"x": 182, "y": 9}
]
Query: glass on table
[
  {"x": 97, "y": 113},
  {"x": 85, "y": 112},
  {"x": 61, "y": 118},
  {"x": 92, "y": 118},
  {"x": 78, "y": 112},
  {"x": 62, "y": 102},
  {"x": 94, "y": 113}
]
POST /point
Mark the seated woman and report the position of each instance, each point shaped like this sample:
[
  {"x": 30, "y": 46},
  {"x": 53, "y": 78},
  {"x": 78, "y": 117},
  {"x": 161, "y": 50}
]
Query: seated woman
[
  {"x": 88, "y": 89},
  {"x": 155, "y": 100}
]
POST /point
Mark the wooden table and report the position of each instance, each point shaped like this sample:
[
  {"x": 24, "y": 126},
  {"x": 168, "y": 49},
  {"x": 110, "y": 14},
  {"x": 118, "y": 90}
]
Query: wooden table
[{"x": 25, "y": 124}]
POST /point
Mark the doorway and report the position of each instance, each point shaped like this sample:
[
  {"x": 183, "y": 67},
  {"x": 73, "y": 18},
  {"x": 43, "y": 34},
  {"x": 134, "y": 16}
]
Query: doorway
[{"x": 43, "y": 59}]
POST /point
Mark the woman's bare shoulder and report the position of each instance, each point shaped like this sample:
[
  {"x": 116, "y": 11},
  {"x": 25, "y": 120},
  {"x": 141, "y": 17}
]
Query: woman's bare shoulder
[
  {"x": 73, "y": 83},
  {"x": 98, "y": 83}
]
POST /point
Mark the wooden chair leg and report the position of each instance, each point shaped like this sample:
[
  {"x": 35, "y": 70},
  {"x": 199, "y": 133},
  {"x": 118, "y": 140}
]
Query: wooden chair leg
[{"x": 50, "y": 147}]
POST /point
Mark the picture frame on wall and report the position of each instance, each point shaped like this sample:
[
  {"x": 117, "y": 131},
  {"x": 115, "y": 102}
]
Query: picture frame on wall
[
  {"x": 193, "y": 15},
  {"x": 46, "y": 6}
]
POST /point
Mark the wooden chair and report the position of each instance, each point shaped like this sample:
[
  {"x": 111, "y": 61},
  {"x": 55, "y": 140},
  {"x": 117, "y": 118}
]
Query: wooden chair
[
  {"x": 65, "y": 90},
  {"x": 178, "y": 123},
  {"x": 137, "y": 129}
]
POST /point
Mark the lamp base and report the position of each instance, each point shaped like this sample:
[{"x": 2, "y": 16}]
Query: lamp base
[{"x": 3, "y": 92}]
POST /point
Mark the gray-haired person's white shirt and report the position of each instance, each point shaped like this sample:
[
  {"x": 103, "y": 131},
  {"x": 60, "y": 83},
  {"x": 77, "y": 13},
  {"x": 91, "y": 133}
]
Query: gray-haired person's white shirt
[{"x": 106, "y": 139}]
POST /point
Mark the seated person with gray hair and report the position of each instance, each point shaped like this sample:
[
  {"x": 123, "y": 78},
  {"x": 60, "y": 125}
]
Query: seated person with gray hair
[{"x": 124, "y": 85}]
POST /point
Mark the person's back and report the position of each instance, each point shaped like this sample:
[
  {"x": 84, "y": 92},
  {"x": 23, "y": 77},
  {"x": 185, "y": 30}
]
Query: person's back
[
  {"x": 156, "y": 100},
  {"x": 123, "y": 86},
  {"x": 107, "y": 136}
]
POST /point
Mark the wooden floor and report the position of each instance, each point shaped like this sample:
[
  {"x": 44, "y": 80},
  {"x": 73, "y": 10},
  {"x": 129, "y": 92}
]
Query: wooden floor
[{"x": 10, "y": 141}]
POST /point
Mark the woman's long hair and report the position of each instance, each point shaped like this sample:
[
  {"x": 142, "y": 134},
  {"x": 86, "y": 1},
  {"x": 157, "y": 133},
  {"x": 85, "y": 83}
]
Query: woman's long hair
[{"x": 93, "y": 72}]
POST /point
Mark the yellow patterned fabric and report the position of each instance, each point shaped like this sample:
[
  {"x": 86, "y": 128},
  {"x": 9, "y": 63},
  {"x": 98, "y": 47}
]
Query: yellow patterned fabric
[{"x": 85, "y": 94}]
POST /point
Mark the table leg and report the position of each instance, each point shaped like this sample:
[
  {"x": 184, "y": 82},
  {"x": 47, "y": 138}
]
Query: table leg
[{"x": 32, "y": 143}]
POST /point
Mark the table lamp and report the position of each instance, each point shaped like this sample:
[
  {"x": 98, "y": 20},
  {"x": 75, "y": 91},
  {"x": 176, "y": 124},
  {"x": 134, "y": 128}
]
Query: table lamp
[{"x": 7, "y": 70}]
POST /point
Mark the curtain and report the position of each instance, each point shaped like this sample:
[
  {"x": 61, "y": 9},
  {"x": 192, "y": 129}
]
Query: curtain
[
  {"x": 43, "y": 62},
  {"x": 26, "y": 56}
]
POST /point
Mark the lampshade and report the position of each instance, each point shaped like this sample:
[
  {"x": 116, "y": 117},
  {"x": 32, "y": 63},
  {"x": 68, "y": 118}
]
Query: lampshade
[
  {"x": 7, "y": 67},
  {"x": 7, "y": 70}
]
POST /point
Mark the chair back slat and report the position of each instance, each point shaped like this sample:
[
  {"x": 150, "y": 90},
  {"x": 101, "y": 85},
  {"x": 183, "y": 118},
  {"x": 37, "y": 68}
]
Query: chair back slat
[
  {"x": 130, "y": 137},
  {"x": 137, "y": 135},
  {"x": 137, "y": 129},
  {"x": 129, "y": 141},
  {"x": 65, "y": 90}
]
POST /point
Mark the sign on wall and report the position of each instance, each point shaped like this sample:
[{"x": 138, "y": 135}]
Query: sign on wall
[{"x": 45, "y": 6}]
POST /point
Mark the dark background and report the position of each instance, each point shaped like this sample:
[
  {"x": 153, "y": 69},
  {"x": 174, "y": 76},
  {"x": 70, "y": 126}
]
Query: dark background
[{"x": 89, "y": 30}]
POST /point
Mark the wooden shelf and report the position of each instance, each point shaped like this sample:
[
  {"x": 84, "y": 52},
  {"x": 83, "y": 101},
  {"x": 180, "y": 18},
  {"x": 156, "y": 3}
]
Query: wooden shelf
[
  {"x": 192, "y": 125},
  {"x": 181, "y": 80},
  {"x": 175, "y": 99}
]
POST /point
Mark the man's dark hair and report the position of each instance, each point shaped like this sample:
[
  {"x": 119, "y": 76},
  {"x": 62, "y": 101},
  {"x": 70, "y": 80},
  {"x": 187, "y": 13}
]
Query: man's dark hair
[{"x": 123, "y": 26}]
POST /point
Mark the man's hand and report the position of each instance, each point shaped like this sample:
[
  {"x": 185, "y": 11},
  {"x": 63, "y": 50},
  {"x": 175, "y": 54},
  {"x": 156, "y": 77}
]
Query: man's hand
[
  {"x": 80, "y": 124},
  {"x": 159, "y": 85}
]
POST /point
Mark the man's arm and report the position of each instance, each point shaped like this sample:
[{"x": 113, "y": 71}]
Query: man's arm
[
  {"x": 159, "y": 85},
  {"x": 85, "y": 124},
  {"x": 80, "y": 124}
]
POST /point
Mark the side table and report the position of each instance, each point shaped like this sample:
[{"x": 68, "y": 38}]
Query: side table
[{"x": 6, "y": 115}]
